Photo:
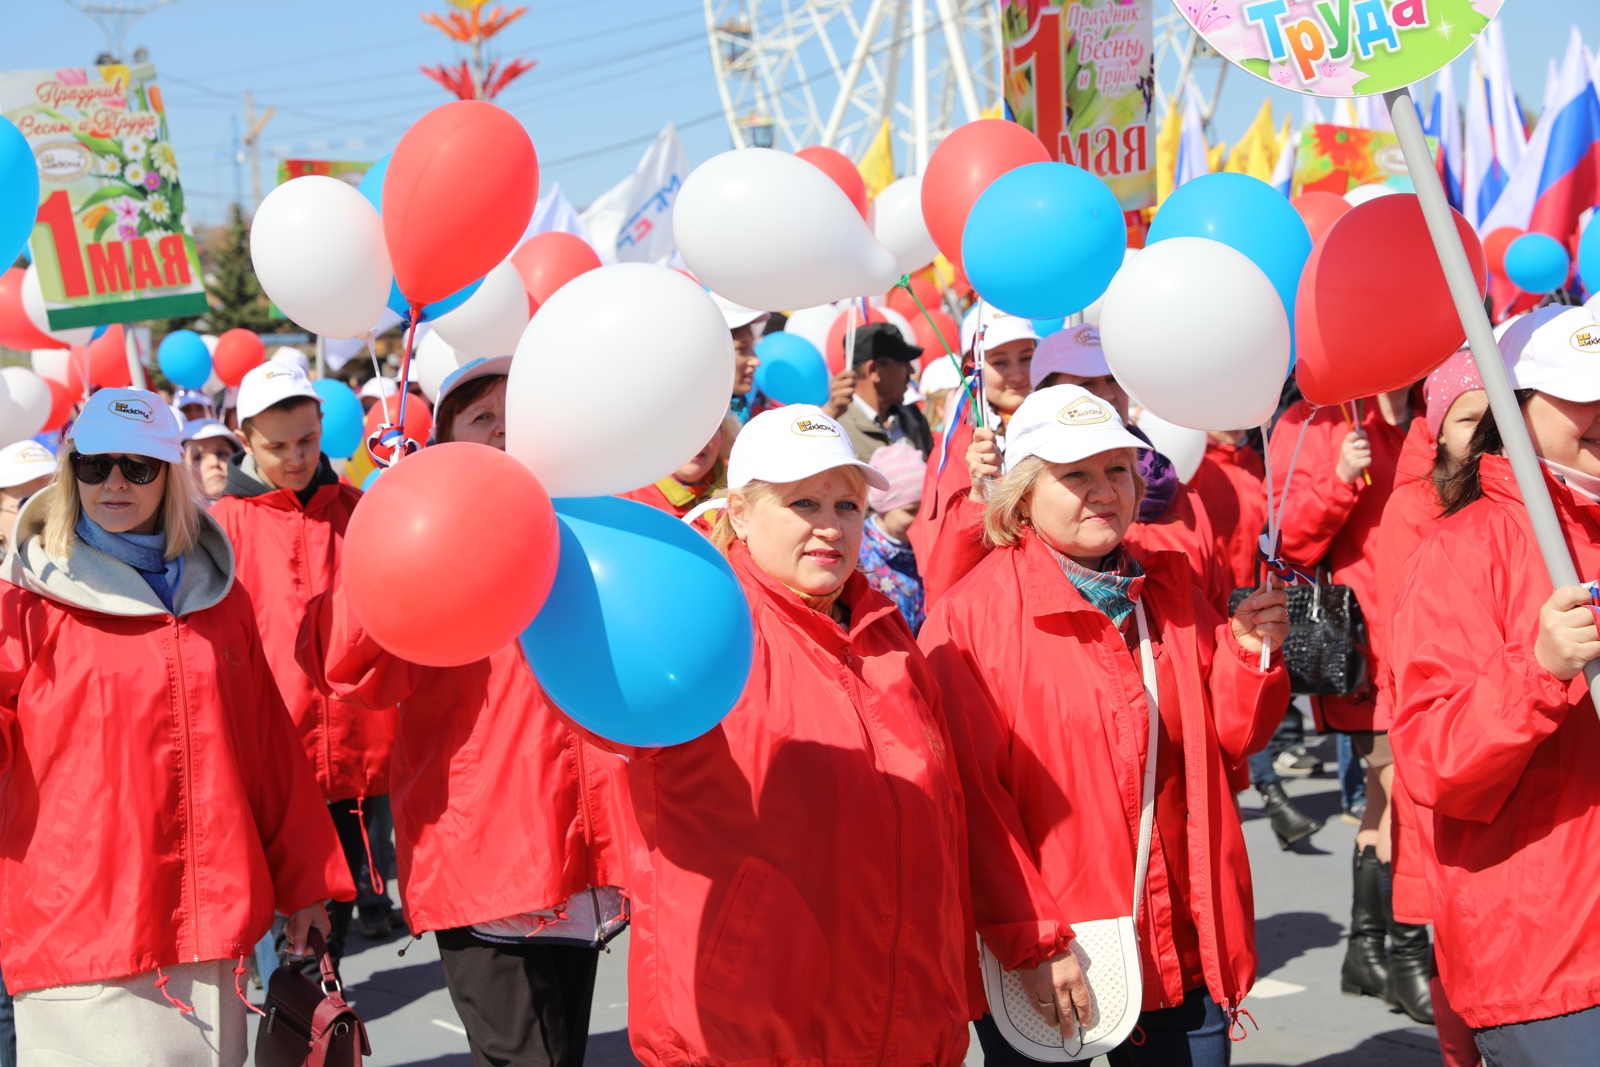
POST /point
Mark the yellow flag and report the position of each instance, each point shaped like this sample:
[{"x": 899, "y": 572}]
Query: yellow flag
[
  {"x": 998, "y": 111},
  {"x": 1257, "y": 151},
  {"x": 1215, "y": 155},
  {"x": 1167, "y": 152},
  {"x": 877, "y": 163}
]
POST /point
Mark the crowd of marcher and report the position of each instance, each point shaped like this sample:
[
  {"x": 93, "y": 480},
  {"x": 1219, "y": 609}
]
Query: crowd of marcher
[{"x": 1010, "y": 674}]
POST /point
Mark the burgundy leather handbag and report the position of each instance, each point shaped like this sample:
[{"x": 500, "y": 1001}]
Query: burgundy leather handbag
[{"x": 307, "y": 1023}]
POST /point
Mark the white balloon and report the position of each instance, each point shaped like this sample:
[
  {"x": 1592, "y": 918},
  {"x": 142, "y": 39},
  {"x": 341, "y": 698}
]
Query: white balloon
[
  {"x": 664, "y": 398},
  {"x": 813, "y": 324},
  {"x": 53, "y": 363},
  {"x": 1362, "y": 193},
  {"x": 899, "y": 224},
  {"x": 30, "y": 401},
  {"x": 432, "y": 363},
  {"x": 490, "y": 322},
  {"x": 1183, "y": 446},
  {"x": 769, "y": 230},
  {"x": 33, "y": 306},
  {"x": 1195, "y": 330},
  {"x": 319, "y": 254},
  {"x": 1091, "y": 314}
]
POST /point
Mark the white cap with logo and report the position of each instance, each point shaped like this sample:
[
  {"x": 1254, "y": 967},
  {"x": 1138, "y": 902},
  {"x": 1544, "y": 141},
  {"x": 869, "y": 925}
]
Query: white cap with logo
[
  {"x": 1073, "y": 350},
  {"x": 271, "y": 383},
  {"x": 205, "y": 429},
  {"x": 1562, "y": 358},
  {"x": 998, "y": 328},
  {"x": 792, "y": 443},
  {"x": 24, "y": 461},
  {"x": 1063, "y": 424},
  {"x": 132, "y": 422}
]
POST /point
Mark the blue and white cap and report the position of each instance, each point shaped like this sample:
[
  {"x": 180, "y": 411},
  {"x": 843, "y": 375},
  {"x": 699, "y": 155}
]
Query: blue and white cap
[
  {"x": 482, "y": 367},
  {"x": 132, "y": 422}
]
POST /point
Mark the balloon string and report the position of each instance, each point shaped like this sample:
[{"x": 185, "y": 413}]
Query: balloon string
[
  {"x": 905, "y": 283},
  {"x": 405, "y": 364},
  {"x": 1355, "y": 424}
]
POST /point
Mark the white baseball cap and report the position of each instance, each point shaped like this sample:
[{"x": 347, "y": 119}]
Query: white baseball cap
[
  {"x": 187, "y": 397},
  {"x": 1562, "y": 358},
  {"x": 482, "y": 367},
  {"x": 133, "y": 422},
  {"x": 201, "y": 429},
  {"x": 23, "y": 462},
  {"x": 1073, "y": 350},
  {"x": 378, "y": 388},
  {"x": 940, "y": 375},
  {"x": 998, "y": 328},
  {"x": 292, "y": 356},
  {"x": 737, "y": 315},
  {"x": 270, "y": 383},
  {"x": 790, "y": 443},
  {"x": 1513, "y": 334},
  {"x": 1063, "y": 424}
]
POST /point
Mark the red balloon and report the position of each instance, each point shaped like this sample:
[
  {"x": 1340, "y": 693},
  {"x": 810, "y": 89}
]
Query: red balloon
[
  {"x": 835, "y": 353},
  {"x": 108, "y": 359},
  {"x": 16, "y": 329},
  {"x": 464, "y": 502},
  {"x": 1374, "y": 312},
  {"x": 1320, "y": 210},
  {"x": 1495, "y": 243},
  {"x": 419, "y": 417},
  {"x": 837, "y": 165},
  {"x": 931, "y": 348},
  {"x": 238, "y": 351},
  {"x": 547, "y": 261},
  {"x": 457, "y": 197},
  {"x": 901, "y": 301},
  {"x": 962, "y": 167},
  {"x": 62, "y": 400}
]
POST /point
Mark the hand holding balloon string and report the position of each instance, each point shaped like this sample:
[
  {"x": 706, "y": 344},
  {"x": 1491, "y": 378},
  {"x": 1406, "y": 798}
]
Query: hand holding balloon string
[{"x": 905, "y": 283}]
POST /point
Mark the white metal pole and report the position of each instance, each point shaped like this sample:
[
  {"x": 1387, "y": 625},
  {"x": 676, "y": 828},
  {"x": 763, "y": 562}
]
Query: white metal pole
[
  {"x": 852, "y": 73},
  {"x": 1480, "y": 337},
  {"x": 957, "y": 51},
  {"x": 722, "y": 76},
  {"x": 919, "y": 81}
]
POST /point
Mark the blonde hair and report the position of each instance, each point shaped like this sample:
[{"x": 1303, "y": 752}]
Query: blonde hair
[
  {"x": 180, "y": 514},
  {"x": 755, "y": 491},
  {"x": 1007, "y": 513}
]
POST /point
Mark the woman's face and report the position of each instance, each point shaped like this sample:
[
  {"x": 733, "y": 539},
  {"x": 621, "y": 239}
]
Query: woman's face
[
  {"x": 1006, "y": 374},
  {"x": 483, "y": 422},
  {"x": 1083, "y": 509},
  {"x": 1455, "y": 432},
  {"x": 208, "y": 458},
  {"x": 1565, "y": 432},
  {"x": 807, "y": 534},
  {"x": 119, "y": 506},
  {"x": 700, "y": 466}
]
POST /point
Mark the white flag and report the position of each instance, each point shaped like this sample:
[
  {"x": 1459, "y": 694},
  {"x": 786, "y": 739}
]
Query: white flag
[
  {"x": 632, "y": 221},
  {"x": 555, "y": 214}
]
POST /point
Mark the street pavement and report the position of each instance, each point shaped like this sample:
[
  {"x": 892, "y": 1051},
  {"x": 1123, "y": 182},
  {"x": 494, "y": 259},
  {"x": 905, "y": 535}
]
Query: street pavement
[{"x": 1302, "y": 909}]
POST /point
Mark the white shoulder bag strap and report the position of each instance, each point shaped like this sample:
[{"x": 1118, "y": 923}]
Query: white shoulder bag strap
[{"x": 1107, "y": 949}]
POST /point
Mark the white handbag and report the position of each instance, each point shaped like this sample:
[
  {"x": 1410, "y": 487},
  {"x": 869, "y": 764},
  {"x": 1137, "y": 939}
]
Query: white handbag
[{"x": 1107, "y": 949}]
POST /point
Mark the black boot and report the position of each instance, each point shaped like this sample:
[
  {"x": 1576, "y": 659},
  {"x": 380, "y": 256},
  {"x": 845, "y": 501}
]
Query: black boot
[
  {"x": 1366, "y": 969},
  {"x": 1410, "y": 961},
  {"x": 1288, "y": 822}
]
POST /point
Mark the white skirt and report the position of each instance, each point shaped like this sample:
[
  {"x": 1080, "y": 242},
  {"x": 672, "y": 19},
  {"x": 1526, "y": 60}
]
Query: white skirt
[{"x": 126, "y": 1022}]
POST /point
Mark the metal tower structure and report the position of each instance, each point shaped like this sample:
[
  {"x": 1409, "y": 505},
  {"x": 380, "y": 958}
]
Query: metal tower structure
[
  {"x": 1182, "y": 58},
  {"x": 793, "y": 73},
  {"x": 114, "y": 18}
]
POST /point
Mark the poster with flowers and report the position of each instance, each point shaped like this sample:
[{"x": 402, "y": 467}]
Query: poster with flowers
[
  {"x": 1336, "y": 159},
  {"x": 1080, "y": 74},
  {"x": 111, "y": 241},
  {"x": 346, "y": 171}
]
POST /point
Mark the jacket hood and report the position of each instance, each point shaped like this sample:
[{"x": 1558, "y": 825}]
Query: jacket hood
[
  {"x": 244, "y": 478},
  {"x": 94, "y": 581}
]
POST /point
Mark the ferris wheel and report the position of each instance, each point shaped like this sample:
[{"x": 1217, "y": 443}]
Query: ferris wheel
[{"x": 832, "y": 72}]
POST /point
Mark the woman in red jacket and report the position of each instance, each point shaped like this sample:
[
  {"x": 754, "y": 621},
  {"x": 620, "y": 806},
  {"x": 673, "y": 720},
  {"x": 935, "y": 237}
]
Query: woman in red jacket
[
  {"x": 1039, "y": 658},
  {"x": 803, "y": 898},
  {"x": 158, "y": 807},
  {"x": 1494, "y": 725},
  {"x": 510, "y": 830}
]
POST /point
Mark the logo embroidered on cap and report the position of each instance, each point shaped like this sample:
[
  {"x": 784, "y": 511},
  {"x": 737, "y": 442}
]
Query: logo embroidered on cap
[
  {"x": 1586, "y": 339},
  {"x": 33, "y": 453},
  {"x": 808, "y": 426},
  {"x": 136, "y": 410},
  {"x": 277, "y": 372},
  {"x": 1087, "y": 336},
  {"x": 1085, "y": 411}
]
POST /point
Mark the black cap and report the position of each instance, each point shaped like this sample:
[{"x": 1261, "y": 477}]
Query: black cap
[{"x": 882, "y": 340}]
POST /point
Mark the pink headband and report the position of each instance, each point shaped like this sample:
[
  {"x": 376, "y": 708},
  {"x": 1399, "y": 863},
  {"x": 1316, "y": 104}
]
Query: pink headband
[{"x": 1457, "y": 375}]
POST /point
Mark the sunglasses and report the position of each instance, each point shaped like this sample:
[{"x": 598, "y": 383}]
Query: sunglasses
[{"x": 92, "y": 470}]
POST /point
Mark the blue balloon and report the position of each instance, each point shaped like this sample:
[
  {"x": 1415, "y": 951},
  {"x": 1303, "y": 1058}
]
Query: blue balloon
[
  {"x": 19, "y": 191},
  {"x": 343, "y": 421},
  {"x": 371, "y": 479},
  {"x": 1589, "y": 258},
  {"x": 371, "y": 187},
  {"x": 184, "y": 358},
  {"x": 620, "y": 646},
  {"x": 1044, "y": 240},
  {"x": 1045, "y": 327},
  {"x": 1247, "y": 215},
  {"x": 791, "y": 370},
  {"x": 1537, "y": 263}
]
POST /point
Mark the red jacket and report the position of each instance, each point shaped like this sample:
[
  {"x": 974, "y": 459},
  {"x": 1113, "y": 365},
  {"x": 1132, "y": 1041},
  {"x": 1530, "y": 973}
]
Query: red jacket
[
  {"x": 1327, "y": 522},
  {"x": 677, "y": 507},
  {"x": 499, "y": 808},
  {"x": 155, "y": 805},
  {"x": 1049, "y": 718},
  {"x": 1232, "y": 483},
  {"x": 1503, "y": 756},
  {"x": 1185, "y": 527},
  {"x": 804, "y": 897},
  {"x": 287, "y": 555}
]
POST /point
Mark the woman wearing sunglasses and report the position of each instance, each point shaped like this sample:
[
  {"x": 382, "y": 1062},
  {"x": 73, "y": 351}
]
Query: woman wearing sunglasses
[{"x": 158, "y": 807}]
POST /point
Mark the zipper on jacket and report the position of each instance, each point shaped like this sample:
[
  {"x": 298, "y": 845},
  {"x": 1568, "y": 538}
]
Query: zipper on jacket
[
  {"x": 899, "y": 865},
  {"x": 583, "y": 797},
  {"x": 187, "y": 743},
  {"x": 324, "y": 708}
]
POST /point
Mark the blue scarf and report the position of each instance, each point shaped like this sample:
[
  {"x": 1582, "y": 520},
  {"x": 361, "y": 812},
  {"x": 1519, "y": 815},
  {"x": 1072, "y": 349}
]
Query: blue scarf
[
  {"x": 1112, "y": 590},
  {"x": 145, "y": 553}
]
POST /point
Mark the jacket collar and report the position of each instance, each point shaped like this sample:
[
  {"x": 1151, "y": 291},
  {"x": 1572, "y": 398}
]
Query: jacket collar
[
  {"x": 1500, "y": 485},
  {"x": 866, "y": 606},
  {"x": 245, "y": 481},
  {"x": 1050, "y": 592}
]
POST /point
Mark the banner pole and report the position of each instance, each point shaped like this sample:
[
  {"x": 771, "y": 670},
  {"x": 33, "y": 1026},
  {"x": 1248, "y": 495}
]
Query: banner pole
[{"x": 1480, "y": 338}]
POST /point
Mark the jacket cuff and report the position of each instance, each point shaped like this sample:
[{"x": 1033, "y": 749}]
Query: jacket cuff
[
  {"x": 1251, "y": 659},
  {"x": 1020, "y": 946}
]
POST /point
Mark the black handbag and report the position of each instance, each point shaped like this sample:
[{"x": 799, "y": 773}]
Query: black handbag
[
  {"x": 1326, "y": 650},
  {"x": 307, "y": 1023}
]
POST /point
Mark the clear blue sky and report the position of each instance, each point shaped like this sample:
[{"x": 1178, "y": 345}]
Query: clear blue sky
[{"x": 343, "y": 76}]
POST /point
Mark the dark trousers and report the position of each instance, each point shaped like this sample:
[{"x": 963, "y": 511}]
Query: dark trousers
[
  {"x": 1291, "y": 732},
  {"x": 373, "y": 816},
  {"x": 522, "y": 1005},
  {"x": 1193, "y": 1034},
  {"x": 1565, "y": 1039}
]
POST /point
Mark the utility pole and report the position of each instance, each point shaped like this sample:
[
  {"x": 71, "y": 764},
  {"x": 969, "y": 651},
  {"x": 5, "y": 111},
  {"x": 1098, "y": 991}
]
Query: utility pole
[{"x": 253, "y": 125}]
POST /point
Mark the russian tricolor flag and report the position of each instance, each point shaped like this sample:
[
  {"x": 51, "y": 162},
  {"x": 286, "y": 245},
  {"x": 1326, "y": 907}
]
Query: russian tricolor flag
[
  {"x": 1558, "y": 178},
  {"x": 1444, "y": 123}
]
